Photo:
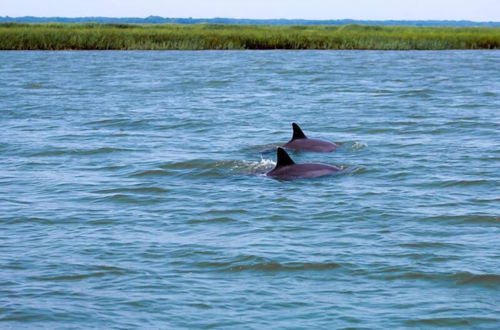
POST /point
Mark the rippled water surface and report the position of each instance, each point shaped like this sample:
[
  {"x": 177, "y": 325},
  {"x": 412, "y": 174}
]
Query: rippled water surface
[{"x": 132, "y": 191}]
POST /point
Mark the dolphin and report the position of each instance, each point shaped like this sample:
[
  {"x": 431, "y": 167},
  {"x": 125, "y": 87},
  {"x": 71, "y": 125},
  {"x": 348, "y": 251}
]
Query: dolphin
[
  {"x": 300, "y": 141},
  {"x": 287, "y": 169}
]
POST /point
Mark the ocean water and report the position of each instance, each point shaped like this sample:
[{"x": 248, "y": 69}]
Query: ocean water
[{"x": 133, "y": 195}]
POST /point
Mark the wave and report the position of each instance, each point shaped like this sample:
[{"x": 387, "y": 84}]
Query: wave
[
  {"x": 130, "y": 199},
  {"x": 143, "y": 190},
  {"x": 121, "y": 122},
  {"x": 35, "y": 85},
  {"x": 465, "y": 183},
  {"x": 94, "y": 271},
  {"x": 463, "y": 219},
  {"x": 111, "y": 167},
  {"x": 211, "y": 220},
  {"x": 39, "y": 220},
  {"x": 357, "y": 145},
  {"x": 457, "y": 278},
  {"x": 204, "y": 167},
  {"x": 259, "y": 264},
  {"x": 423, "y": 92},
  {"x": 252, "y": 166},
  {"x": 278, "y": 267},
  {"x": 150, "y": 173},
  {"x": 130, "y": 195},
  {"x": 17, "y": 220},
  {"x": 208, "y": 168},
  {"x": 451, "y": 321},
  {"x": 103, "y": 150},
  {"x": 431, "y": 245},
  {"x": 479, "y": 279}
]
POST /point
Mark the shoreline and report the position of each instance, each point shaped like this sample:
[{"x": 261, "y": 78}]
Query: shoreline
[{"x": 97, "y": 36}]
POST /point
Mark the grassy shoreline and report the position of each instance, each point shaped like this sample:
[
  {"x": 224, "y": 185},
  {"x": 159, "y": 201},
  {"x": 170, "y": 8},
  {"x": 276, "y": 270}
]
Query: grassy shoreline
[{"x": 95, "y": 36}]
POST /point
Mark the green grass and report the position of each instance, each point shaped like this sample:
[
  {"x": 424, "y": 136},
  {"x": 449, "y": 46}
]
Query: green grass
[{"x": 57, "y": 36}]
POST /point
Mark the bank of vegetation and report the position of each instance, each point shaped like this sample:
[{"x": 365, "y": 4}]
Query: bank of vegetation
[{"x": 95, "y": 36}]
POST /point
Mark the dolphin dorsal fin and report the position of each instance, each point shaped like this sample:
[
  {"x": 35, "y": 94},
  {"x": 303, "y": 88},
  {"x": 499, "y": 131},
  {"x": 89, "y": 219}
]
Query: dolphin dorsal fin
[
  {"x": 297, "y": 132},
  {"x": 282, "y": 158}
]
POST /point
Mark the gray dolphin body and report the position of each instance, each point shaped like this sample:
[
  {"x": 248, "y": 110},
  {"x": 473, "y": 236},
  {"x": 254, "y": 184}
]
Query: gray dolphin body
[
  {"x": 300, "y": 141},
  {"x": 287, "y": 169}
]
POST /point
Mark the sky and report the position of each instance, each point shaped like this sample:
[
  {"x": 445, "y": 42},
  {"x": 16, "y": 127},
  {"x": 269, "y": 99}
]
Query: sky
[{"x": 474, "y": 10}]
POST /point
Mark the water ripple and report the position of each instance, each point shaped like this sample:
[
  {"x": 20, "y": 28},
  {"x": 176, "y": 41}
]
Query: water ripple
[
  {"x": 97, "y": 151},
  {"x": 132, "y": 190},
  {"x": 258, "y": 264}
]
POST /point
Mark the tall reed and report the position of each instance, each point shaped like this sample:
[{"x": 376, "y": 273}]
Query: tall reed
[{"x": 58, "y": 36}]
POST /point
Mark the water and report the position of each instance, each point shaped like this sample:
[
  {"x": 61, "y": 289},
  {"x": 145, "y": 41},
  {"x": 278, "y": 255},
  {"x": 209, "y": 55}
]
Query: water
[{"x": 132, "y": 194}]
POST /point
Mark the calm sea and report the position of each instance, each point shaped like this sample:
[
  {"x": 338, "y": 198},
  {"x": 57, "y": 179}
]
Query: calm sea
[{"x": 132, "y": 192}]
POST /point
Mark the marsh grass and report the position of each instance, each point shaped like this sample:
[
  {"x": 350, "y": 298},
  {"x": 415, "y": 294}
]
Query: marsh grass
[{"x": 59, "y": 36}]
